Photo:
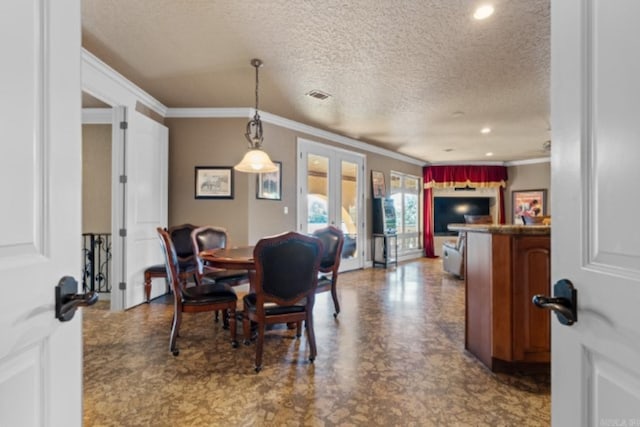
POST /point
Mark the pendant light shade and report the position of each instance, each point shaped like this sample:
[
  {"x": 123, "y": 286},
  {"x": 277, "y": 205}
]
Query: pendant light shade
[{"x": 256, "y": 160}]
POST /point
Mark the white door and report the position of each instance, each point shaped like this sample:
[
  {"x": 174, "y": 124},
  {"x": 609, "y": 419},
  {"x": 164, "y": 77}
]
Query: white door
[
  {"x": 145, "y": 207},
  {"x": 40, "y": 228},
  {"x": 331, "y": 188},
  {"x": 595, "y": 75}
]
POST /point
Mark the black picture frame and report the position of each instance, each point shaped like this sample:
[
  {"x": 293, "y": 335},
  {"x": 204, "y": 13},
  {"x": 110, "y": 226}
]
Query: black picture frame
[
  {"x": 213, "y": 182},
  {"x": 269, "y": 184}
]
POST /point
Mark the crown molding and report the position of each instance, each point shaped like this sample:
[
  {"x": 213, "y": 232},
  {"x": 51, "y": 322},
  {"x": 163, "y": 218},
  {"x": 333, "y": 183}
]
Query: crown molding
[
  {"x": 97, "y": 116},
  {"x": 93, "y": 61},
  {"x": 201, "y": 113},
  {"x": 288, "y": 124},
  {"x": 349, "y": 142},
  {"x": 528, "y": 161},
  {"x": 496, "y": 163}
]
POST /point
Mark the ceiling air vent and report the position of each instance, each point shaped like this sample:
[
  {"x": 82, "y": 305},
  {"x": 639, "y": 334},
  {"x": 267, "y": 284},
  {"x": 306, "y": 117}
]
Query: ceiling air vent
[{"x": 318, "y": 94}]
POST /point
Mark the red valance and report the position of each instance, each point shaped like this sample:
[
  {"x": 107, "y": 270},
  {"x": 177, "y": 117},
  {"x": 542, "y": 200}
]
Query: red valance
[{"x": 459, "y": 176}]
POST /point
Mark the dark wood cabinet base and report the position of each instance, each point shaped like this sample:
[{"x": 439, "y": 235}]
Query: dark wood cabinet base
[{"x": 504, "y": 268}]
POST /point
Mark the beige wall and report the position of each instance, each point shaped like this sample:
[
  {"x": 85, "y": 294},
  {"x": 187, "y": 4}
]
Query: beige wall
[
  {"x": 528, "y": 177},
  {"x": 96, "y": 178},
  {"x": 221, "y": 142},
  {"x": 205, "y": 142}
]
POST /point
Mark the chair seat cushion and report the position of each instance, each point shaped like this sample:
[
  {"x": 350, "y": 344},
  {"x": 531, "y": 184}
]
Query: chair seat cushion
[
  {"x": 273, "y": 309},
  {"x": 206, "y": 294},
  {"x": 185, "y": 267},
  {"x": 221, "y": 274},
  {"x": 157, "y": 269}
]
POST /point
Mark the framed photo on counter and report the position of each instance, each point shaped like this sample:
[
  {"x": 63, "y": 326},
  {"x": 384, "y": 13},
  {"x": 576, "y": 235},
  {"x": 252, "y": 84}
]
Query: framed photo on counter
[{"x": 528, "y": 203}]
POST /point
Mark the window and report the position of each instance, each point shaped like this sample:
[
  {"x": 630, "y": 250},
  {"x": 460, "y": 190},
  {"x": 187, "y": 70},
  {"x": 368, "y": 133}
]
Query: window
[{"x": 405, "y": 193}]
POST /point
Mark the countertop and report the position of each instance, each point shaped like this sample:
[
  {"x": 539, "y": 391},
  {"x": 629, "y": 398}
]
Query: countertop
[{"x": 537, "y": 230}]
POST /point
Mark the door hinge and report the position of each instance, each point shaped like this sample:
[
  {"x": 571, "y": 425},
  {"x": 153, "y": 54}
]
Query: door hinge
[
  {"x": 124, "y": 125},
  {"x": 123, "y": 179},
  {"x": 122, "y": 286},
  {"x": 123, "y": 232}
]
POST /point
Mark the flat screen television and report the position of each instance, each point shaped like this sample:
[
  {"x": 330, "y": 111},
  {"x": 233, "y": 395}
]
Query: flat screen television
[{"x": 451, "y": 210}]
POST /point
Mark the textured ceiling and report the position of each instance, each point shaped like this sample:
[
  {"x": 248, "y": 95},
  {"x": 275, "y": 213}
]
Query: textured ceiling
[{"x": 398, "y": 71}]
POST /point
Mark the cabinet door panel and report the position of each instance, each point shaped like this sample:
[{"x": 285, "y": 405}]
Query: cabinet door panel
[{"x": 532, "y": 275}]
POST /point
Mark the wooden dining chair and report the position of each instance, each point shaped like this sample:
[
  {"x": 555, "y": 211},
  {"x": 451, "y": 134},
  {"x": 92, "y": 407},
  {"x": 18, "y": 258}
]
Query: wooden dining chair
[
  {"x": 332, "y": 243},
  {"x": 181, "y": 238},
  {"x": 286, "y": 277},
  {"x": 210, "y": 237},
  {"x": 194, "y": 299}
]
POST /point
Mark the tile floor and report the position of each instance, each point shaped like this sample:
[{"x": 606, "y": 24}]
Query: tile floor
[{"x": 394, "y": 357}]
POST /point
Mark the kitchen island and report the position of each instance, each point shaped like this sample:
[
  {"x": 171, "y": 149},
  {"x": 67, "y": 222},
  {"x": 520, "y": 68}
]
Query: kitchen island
[{"x": 505, "y": 266}]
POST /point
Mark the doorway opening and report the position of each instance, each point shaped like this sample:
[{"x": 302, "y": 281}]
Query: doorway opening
[{"x": 97, "y": 248}]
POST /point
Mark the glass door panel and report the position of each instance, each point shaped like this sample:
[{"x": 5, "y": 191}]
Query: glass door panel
[
  {"x": 317, "y": 192},
  {"x": 349, "y": 209}
]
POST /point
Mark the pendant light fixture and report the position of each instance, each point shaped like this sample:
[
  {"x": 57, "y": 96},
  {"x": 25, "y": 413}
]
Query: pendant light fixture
[{"x": 255, "y": 160}]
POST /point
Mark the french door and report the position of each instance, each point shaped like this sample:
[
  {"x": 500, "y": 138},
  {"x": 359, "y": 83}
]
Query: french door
[{"x": 331, "y": 192}]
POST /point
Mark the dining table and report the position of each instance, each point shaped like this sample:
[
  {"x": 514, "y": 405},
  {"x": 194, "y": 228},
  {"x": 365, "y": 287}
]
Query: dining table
[{"x": 238, "y": 258}]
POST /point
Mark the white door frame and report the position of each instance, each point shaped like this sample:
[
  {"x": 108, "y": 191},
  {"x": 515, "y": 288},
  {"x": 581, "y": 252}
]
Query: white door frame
[{"x": 104, "y": 83}]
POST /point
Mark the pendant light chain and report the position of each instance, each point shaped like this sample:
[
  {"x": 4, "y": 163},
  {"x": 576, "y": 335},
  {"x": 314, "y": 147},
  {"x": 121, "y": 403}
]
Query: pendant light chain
[
  {"x": 256, "y": 160},
  {"x": 254, "y": 127},
  {"x": 257, "y": 83}
]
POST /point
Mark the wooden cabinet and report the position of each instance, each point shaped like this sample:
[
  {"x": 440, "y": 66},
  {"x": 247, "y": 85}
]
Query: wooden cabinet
[{"x": 503, "y": 272}]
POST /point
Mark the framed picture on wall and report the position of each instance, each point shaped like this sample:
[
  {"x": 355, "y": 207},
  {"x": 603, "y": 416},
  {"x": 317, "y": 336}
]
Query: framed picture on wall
[
  {"x": 377, "y": 185},
  {"x": 528, "y": 203},
  {"x": 214, "y": 182},
  {"x": 269, "y": 185}
]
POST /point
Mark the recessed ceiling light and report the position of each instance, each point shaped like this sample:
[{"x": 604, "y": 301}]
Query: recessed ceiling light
[
  {"x": 485, "y": 130},
  {"x": 489, "y": 154},
  {"x": 483, "y": 12}
]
